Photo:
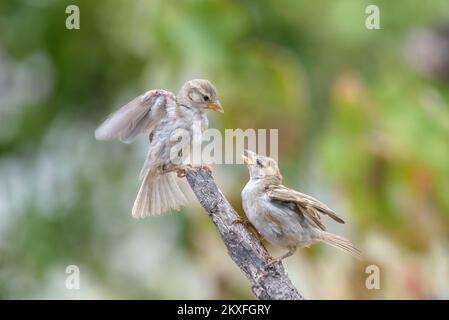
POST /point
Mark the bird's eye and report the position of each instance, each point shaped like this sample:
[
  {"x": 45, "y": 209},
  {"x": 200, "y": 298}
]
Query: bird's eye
[
  {"x": 206, "y": 98},
  {"x": 259, "y": 163}
]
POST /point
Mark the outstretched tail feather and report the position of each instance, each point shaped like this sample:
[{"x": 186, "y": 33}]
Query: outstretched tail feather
[
  {"x": 173, "y": 201},
  {"x": 154, "y": 204},
  {"x": 157, "y": 194},
  {"x": 341, "y": 243},
  {"x": 176, "y": 190},
  {"x": 163, "y": 198},
  {"x": 142, "y": 201}
]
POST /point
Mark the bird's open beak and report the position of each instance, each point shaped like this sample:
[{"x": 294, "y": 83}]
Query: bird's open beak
[
  {"x": 248, "y": 159},
  {"x": 216, "y": 106}
]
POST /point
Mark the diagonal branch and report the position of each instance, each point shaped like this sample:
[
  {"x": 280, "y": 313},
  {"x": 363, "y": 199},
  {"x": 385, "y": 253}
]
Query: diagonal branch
[{"x": 267, "y": 282}]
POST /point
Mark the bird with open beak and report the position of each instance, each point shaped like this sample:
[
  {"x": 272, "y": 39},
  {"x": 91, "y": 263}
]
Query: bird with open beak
[
  {"x": 283, "y": 216},
  {"x": 163, "y": 116}
]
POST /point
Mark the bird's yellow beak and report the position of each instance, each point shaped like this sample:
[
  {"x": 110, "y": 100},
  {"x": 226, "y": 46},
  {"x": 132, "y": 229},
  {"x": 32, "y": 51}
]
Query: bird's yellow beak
[
  {"x": 248, "y": 160},
  {"x": 216, "y": 106}
]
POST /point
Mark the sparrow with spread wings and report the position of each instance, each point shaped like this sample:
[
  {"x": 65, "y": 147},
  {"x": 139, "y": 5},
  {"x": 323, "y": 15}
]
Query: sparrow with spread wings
[{"x": 173, "y": 123}]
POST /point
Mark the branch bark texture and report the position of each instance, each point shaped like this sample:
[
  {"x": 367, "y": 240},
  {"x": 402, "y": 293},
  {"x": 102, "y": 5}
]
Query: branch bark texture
[{"x": 267, "y": 282}]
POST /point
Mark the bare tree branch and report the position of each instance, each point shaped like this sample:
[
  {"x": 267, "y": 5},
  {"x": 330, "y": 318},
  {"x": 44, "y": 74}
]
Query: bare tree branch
[{"x": 267, "y": 282}]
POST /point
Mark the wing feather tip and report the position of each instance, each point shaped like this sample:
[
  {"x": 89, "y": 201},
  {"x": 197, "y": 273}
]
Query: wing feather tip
[{"x": 100, "y": 134}]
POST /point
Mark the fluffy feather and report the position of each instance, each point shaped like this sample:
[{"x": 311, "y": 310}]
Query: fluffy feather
[
  {"x": 138, "y": 116},
  {"x": 305, "y": 204},
  {"x": 162, "y": 114},
  {"x": 283, "y": 216}
]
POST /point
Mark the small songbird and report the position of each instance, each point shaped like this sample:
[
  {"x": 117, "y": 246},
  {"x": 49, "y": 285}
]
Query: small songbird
[
  {"x": 283, "y": 216},
  {"x": 174, "y": 124}
]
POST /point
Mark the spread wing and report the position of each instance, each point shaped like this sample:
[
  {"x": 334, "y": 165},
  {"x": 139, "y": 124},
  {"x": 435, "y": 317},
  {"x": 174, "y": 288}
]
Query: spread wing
[
  {"x": 303, "y": 204},
  {"x": 138, "y": 116}
]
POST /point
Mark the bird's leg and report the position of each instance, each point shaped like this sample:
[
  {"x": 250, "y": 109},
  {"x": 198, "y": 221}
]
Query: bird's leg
[
  {"x": 206, "y": 167},
  {"x": 189, "y": 167},
  {"x": 241, "y": 220},
  {"x": 182, "y": 170},
  {"x": 248, "y": 225},
  {"x": 290, "y": 252}
]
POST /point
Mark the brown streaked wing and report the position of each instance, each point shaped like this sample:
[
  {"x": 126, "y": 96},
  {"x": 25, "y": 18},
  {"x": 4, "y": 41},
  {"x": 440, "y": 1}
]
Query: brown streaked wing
[{"x": 308, "y": 206}]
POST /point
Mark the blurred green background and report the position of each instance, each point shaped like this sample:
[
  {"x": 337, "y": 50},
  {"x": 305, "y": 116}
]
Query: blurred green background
[{"x": 363, "y": 121}]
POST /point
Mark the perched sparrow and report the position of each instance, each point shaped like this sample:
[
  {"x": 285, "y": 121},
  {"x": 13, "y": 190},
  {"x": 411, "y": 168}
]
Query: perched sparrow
[
  {"x": 283, "y": 216},
  {"x": 165, "y": 117}
]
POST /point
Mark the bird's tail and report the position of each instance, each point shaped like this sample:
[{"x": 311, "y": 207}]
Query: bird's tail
[
  {"x": 341, "y": 243},
  {"x": 158, "y": 193}
]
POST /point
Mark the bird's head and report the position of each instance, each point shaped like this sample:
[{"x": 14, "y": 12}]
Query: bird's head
[
  {"x": 261, "y": 167},
  {"x": 200, "y": 94}
]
